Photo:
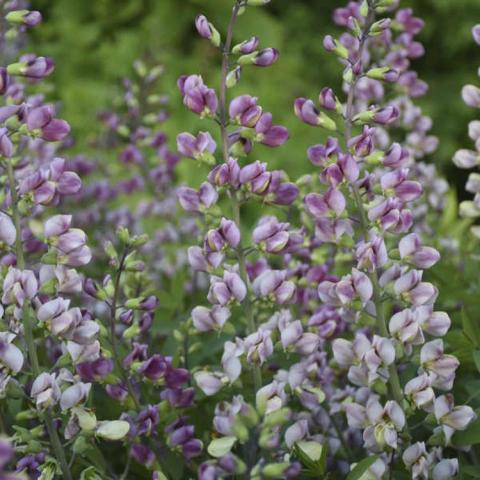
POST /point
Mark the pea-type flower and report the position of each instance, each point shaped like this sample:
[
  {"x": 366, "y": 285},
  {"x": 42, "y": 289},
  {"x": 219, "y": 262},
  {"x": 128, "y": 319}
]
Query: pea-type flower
[
  {"x": 367, "y": 190},
  {"x": 467, "y": 158}
]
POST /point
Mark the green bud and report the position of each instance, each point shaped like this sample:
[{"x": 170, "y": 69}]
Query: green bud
[
  {"x": 132, "y": 331},
  {"x": 26, "y": 415},
  {"x": 150, "y": 119},
  {"x": 80, "y": 445},
  {"x": 326, "y": 122},
  {"x": 247, "y": 59},
  {"x": 233, "y": 77},
  {"x": 123, "y": 234},
  {"x": 110, "y": 250},
  {"x": 50, "y": 258},
  {"x": 468, "y": 209},
  {"x": 49, "y": 287},
  {"x": 221, "y": 446},
  {"x": 375, "y": 158},
  {"x": 178, "y": 336},
  {"x": 277, "y": 417},
  {"x": 86, "y": 418},
  {"x": 364, "y": 117},
  {"x": 275, "y": 470},
  {"x": 139, "y": 240},
  {"x": 196, "y": 347},
  {"x": 16, "y": 68},
  {"x": 34, "y": 446},
  {"x": 257, "y": 3},
  {"x": 364, "y": 8},
  {"x": 11, "y": 34},
  {"x": 154, "y": 100},
  {"x": 240, "y": 430},
  {"x": 160, "y": 475},
  {"x": 123, "y": 131},
  {"x": 264, "y": 439},
  {"x": 215, "y": 38},
  {"x": 251, "y": 416},
  {"x": 394, "y": 254},
  {"x": 14, "y": 390},
  {"x": 112, "y": 430},
  {"x": 140, "y": 68}
]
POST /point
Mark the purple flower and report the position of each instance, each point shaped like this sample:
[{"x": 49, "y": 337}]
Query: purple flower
[
  {"x": 476, "y": 33},
  {"x": 205, "y": 319},
  {"x": 203, "y": 27},
  {"x": 197, "y": 96},
  {"x": 247, "y": 46},
  {"x": 332, "y": 203},
  {"x": 51, "y": 129},
  {"x": 200, "y": 148},
  {"x": 411, "y": 249},
  {"x": 268, "y": 134},
  {"x": 272, "y": 284},
  {"x": 262, "y": 58},
  {"x": 32, "y": 66},
  {"x": 244, "y": 111},
  {"x": 95, "y": 371},
  {"x": 19, "y": 286},
  {"x": 259, "y": 346},
  {"x": 154, "y": 368},
  {"x": 6, "y": 145},
  {"x": 197, "y": 201},
  {"x": 229, "y": 289},
  {"x": 142, "y": 454}
]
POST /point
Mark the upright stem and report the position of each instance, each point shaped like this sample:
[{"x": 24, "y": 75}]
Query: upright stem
[
  {"x": 113, "y": 336},
  {"x": 364, "y": 223},
  {"x": 251, "y": 327},
  {"x": 28, "y": 327},
  {"x": 251, "y": 324},
  {"x": 227, "y": 46}
]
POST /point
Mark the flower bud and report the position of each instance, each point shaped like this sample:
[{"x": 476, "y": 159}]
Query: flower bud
[
  {"x": 262, "y": 58},
  {"x": 306, "y": 111},
  {"x": 247, "y": 46},
  {"x": 383, "y": 73},
  {"x": 32, "y": 66},
  {"x": 476, "y": 33},
  {"x": 206, "y": 30},
  {"x": 329, "y": 101},
  {"x": 332, "y": 45},
  {"x": 29, "y": 18},
  {"x": 445, "y": 469},
  {"x": 466, "y": 158},
  {"x": 471, "y": 96},
  {"x": 233, "y": 77},
  {"x": 112, "y": 430}
]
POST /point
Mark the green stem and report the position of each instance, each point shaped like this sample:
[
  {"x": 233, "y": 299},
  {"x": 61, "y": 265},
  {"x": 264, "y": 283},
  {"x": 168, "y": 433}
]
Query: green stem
[
  {"x": 223, "y": 82},
  {"x": 395, "y": 386},
  {"x": 28, "y": 328},
  {"x": 251, "y": 327},
  {"x": 113, "y": 335},
  {"x": 251, "y": 324}
]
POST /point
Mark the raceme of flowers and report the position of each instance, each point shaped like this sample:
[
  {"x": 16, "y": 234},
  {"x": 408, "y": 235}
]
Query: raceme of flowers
[{"x": 295, "y": 336}]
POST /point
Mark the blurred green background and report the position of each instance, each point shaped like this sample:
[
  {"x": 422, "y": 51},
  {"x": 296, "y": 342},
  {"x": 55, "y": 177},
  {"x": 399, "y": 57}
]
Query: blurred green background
[{"x": 94, "y": 43}]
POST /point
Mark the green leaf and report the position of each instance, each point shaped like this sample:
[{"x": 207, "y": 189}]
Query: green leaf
[
  {"x": 470, "y": 436},
  {"x": 313, "y": 456},
  {"x": 470, "y": 329},
  {"x": 476, "y": 359},
  {"x": 90, "y": 473},
  {"x": 470, "y": 470},
  {"x": 361, "y": 467},
  {"x": 221, "y": 446}
]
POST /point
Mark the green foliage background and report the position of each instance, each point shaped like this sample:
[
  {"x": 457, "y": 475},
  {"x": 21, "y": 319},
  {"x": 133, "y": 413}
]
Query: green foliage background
[{"x": 95, "y": 41}]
